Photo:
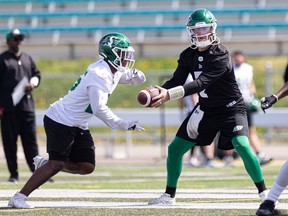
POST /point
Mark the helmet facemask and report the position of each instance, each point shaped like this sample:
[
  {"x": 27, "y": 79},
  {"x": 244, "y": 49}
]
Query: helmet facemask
[
  {"x": 202, "y": 35},
  {"x": 124, "y": 58}
]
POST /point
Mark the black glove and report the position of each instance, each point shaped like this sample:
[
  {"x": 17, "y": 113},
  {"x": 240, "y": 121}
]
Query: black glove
[{"x": 267, "y": 102}]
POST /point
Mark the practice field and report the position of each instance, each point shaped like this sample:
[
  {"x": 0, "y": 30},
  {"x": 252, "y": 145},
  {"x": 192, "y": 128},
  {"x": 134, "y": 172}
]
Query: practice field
[{"x": 120, "y": 188}]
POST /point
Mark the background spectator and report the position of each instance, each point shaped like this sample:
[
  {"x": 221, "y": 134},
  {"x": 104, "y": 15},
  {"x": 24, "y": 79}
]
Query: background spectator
[
  {"x": 17, "y": 71},
  {"x": 244, "y": 77}
]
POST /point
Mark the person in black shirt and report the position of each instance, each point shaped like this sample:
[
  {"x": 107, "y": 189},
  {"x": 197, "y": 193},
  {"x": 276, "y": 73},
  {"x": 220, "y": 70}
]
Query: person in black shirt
[
  {"x": 17, "y": 113},
  {"x": 220, "y": 109}
]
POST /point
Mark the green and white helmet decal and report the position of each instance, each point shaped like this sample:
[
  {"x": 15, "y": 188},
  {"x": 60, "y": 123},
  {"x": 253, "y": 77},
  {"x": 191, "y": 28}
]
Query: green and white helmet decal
[
  {"x": 201, "y": 27},
  {"x": 117, "y": 50}
]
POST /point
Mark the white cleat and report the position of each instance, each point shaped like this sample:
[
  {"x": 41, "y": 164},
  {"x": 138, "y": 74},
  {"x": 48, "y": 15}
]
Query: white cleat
[
  {"x": 164, "y": 199},
  {"x": 39, "y": 161},
  {"x": 19, "y": 201}
]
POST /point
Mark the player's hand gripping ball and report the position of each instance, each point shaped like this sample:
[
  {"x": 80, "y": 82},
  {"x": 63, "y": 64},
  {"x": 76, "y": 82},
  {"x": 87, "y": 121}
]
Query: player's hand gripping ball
[{"x": 145, "y": 96}]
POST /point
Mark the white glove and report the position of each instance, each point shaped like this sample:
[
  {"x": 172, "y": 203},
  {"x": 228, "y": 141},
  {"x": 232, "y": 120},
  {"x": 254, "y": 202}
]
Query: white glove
[
  {"x": 132, "y": 77},
  {"x": 133, "y": 125},
  {"x": 128, "y": 125},
  {"x": 135, "y": 72}
]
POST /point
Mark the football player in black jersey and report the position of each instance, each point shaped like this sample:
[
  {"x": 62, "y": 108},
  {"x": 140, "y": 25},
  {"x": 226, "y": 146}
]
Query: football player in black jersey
[{"x": 220, "y": 109}]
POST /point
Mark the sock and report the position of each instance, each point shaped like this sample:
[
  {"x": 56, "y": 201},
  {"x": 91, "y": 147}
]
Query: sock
[
  {"x": 171, "y": 191},
  {"x": 260, "y": 186},
  {"x": 250, "y": 160},
  {"x": 280, "y": 183},
  {"x": 176, "y": 150}
]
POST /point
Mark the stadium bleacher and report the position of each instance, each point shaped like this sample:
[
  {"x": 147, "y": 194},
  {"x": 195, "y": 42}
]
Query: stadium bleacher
[{"x": 150, "y": 24}]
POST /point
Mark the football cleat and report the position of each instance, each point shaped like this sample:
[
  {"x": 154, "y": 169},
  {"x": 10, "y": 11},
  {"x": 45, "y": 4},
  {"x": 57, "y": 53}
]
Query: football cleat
[
  {"x": 164, "y": 199},
  {"x": 267, "y": 208},
  {"x": 19, "y": 201}
]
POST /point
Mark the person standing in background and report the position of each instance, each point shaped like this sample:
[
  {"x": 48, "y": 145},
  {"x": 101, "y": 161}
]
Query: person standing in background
[
  {"x": 244, "y": 77},
  {"x": 17, "y": 114}
]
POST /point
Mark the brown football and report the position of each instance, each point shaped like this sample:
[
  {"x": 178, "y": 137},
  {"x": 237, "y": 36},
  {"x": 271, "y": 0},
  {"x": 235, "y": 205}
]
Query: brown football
[{"x": 145, "y": 96}]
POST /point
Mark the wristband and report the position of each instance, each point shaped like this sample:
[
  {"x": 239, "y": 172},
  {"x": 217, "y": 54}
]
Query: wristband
[
  {"x": 275, "y": 97},
  {"x": 176, "y": 92}
]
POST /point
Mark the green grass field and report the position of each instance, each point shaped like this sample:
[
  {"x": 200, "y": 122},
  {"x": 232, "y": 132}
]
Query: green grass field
[{"x": 117, "y": 183}]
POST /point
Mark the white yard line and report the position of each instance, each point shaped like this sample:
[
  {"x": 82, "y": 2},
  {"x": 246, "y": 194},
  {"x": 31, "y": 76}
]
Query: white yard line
[
  {"x": 77, "y": 204},
  {"x": 146, "y": 194}
]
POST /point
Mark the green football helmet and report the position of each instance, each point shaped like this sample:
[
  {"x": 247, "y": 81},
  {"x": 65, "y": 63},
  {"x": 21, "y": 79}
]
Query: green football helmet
[
  {"x": 201, "y": 27},
  {"x": 116, "y": 49}
]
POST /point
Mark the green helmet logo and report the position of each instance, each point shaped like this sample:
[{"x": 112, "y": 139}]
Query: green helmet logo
[
  {"x": 116, "y": 49},
  {"x": 201, "y": 27}
]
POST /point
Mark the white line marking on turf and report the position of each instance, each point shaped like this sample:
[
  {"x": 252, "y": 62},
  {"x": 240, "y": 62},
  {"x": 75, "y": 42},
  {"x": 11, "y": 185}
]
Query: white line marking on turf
[
  {"x": 99, "y": 193},
  {"x": 77, "y": 204},
  {"x": 208, "y": 194}
]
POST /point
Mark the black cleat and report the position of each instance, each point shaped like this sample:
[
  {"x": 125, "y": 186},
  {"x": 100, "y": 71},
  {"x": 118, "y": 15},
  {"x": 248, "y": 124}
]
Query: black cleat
[{"x": 267, "y": 208}]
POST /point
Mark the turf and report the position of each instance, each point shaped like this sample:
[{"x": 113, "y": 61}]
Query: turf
[{"x": 130, "y": 177}]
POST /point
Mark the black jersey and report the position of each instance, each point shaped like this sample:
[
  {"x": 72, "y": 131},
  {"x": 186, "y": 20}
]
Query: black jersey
[{"x": 213, "y": 75}]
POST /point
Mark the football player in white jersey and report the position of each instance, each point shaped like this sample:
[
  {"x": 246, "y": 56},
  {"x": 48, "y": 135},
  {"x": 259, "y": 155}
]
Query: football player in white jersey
[
  {"x": 69, "y": 143},
  {"x": 267, "y": 208}
]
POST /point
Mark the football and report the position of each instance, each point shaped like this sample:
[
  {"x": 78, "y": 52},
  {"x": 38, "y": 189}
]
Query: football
[{"x": 145, "y": 96}]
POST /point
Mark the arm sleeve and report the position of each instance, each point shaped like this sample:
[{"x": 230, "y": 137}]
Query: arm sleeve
[
  {"x": 98, "y": 101},
  {"x": 180, "y": 75},
  {"x": 132, "y": 77}
]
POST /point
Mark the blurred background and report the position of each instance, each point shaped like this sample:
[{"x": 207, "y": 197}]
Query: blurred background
[{"x": 62, "y": 36}]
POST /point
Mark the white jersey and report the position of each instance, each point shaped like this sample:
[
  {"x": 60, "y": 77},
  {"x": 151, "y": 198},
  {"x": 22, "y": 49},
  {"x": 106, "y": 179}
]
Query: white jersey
[
  {"x": 89, "y": 96},
  {"x": 244, "y": 78}
]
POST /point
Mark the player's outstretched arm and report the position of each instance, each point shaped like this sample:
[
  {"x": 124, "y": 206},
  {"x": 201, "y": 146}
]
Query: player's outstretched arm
[
  {"x": 267, "y": 102},
  {"x": 132, "y": 77},
  {"x": 283, "y": 91}
]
